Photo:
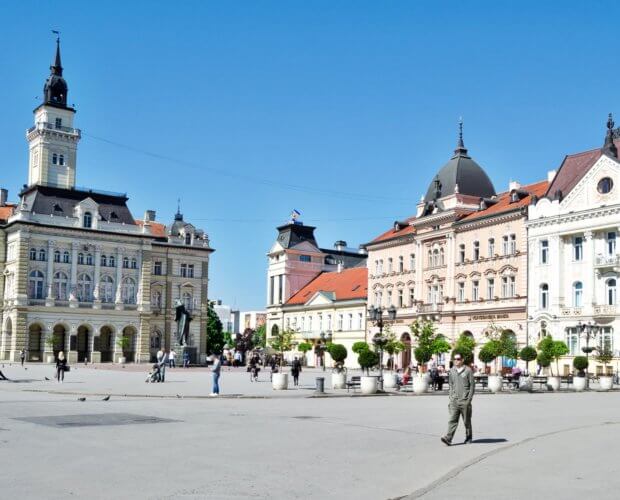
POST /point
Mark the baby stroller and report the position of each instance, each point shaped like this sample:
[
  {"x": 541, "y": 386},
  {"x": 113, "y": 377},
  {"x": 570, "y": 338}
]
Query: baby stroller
[{"x": 154, "y": 375}]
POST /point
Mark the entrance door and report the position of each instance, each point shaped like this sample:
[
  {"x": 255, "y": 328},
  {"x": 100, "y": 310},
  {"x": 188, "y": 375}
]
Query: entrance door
[
  {"x": 406, "y": 354},
  {"x": 105, "y": 344},
  {"x": 34, "y": 343},
  {"x": 82, "y": 344}
]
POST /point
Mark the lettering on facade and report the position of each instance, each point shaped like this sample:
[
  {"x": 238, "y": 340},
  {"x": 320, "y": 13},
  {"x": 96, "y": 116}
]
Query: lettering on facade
[{"x": 482, "y": 317}]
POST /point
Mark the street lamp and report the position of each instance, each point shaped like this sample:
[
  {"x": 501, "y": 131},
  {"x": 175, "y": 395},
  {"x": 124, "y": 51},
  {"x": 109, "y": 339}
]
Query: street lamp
[
  {"x": 376, "y": 315},
  {"x": 325, "y": 339},
  {"x": 589, "y": 330}
]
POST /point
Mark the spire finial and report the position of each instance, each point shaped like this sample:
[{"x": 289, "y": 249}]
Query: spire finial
[
  {"x": 57, "y": 67},
  {"x": 609, "y": 147},
  {"x": 460, "y": 146},
  {"x": 178, "y": 215}
]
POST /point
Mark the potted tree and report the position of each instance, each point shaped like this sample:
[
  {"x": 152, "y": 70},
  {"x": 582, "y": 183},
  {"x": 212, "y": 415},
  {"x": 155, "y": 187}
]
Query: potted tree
[
  {"x": 490, "y": 351},
  {"x": 605, "y": 355},
  {"x": 303, "y": 348},
  {"x": 123, "y": 343},
  {"x": 281, "y": 342},
  {"x": 527, "y": 354},
  {"x": 428, "y": 342},
  {"x": 465, "y": 346},
  {"x": 393, "y": 346},
  {"x": 558, "y": 349},
  {"x": 368, "y": 359},
  {"x": 546, "y": 350},
  {"x": 338, "y": 352},
  {"x": 51, "y": 342},
  {"x": 580, "y": 363}
]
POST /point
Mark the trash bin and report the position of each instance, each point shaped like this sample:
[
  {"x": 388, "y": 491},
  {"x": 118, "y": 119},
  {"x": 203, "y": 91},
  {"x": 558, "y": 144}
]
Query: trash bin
[{"x": 320, "y": 384}]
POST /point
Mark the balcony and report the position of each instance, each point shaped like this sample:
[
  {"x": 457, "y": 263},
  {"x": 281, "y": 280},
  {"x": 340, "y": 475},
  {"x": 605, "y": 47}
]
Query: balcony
[
  {"x": 607, "y": 262},
  {"x": 605, "y": 311},
  {"x": 429, "y": 308},
  {"x": 571, "y": 311},
  {"x": 52, "y": 126}
]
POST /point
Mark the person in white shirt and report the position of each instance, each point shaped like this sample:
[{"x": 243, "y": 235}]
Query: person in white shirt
[{"x": 171, "y": 358}]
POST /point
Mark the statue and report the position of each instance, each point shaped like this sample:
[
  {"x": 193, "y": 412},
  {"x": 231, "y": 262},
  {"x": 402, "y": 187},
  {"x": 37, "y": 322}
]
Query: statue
[{"x": 183, "y": 320}]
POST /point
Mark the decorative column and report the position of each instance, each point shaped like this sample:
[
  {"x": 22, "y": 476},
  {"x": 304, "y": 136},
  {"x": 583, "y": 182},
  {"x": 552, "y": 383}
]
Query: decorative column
[
  {"x": 50, "y": 273},
  {"x": 97, "y": 278},
  {"x": 73, "y": 302},
  {"x": 589, "y": 279},
  {"x": 119, "y": 277}
]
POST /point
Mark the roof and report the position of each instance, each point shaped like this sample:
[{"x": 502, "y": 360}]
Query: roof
[
  {"x": 573, "y": 168},
  {"x": 504, "y": 203},
  {"x": 47, "y": 200},
  {"x": 397, "y": 231},
  {"x": 345, "y": 285},
  {"x": 293, "y": 234},
  {"x": 6, "y": 211},
  {"x": 157, "y": 229}
]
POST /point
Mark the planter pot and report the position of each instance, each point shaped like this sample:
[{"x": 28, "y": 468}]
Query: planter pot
[
  {"x": 605, "y": 383},
  {"x": 495, "y": 383},
  {"x": 368, "y": 385},
  {"x": 526, "y": 384},
  {"x": 390, "y": 381},
  {"x": 279, "y": 381},
  {"x": 579, "y": 384},
  {"x": 122, "y": 360},
  {"x": 553, "y": 383},
  {"x": 50, "y": 358},
  {"x": 420, "y": 384},
  {"x": 339, "y": 380}
]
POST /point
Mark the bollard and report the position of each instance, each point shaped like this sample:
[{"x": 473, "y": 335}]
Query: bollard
[{"x": 320, "y": 385}]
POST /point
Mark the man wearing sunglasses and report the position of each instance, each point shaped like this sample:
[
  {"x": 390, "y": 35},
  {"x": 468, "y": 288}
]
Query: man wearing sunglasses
[{"x": 462, "y": 386}]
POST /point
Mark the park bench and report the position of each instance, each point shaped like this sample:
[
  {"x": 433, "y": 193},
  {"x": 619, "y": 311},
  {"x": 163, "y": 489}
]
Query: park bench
[{"x": 354, "y": 383}]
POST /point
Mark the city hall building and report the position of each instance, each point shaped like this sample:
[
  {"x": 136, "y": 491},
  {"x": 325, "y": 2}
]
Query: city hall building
[{"x": 77, "y": 272}]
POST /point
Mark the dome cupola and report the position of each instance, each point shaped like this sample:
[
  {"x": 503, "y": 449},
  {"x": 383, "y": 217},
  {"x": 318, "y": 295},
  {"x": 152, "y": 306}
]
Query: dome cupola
[{"x": 55, "y": 88}]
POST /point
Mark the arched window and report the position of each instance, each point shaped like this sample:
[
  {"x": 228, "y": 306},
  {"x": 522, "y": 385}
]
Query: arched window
[
  {"x": 104, "y": 261},
  {"x": 80, "y": 258},
  {"x": 188, "y": 301},
  {"x": 42, "y": 254},
  {"x": 35, "y": 285},
  {"x": 435, "y": 258},
  {"x": 60, "y": 286},
  {"x": 112, "y": 261},
  {"x": 577, "y": 294},
  {"x": 134, "y": 264},
  {"x": 57, "y": 256},
  {"x": 33, "y": 254},
  {"x": 84, "y": 288},
  {"x": 65, "y": 257},
  {"x": 89, "y": 259},
  {"x": 611, "y": 292},
  {"x": 88, "y": 219},
  {"x": 544, "y": 296},
  {"x": 106, "y": 289},
  {"x": 128, "y": 291},
  {"x": 125, "y": 262}
]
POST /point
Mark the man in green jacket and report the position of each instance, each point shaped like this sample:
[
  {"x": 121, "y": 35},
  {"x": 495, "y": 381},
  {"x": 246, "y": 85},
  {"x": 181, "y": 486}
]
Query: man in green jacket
[{"x": 462, "y": 387}]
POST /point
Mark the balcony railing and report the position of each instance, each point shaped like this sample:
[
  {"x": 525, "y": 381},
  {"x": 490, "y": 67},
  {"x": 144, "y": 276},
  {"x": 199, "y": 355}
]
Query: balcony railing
[
  {"x": 605, "y": 310},
  {"x": 429, "y": 308},
  {"x": 52, "y": 126},
  {"x": 607, "y": 260},
  {"x": 571, "y": 311}
]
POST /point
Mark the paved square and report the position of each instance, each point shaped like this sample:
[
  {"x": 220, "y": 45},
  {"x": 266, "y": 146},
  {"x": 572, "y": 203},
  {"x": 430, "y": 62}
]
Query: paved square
[{"x": 291, "y": 446}]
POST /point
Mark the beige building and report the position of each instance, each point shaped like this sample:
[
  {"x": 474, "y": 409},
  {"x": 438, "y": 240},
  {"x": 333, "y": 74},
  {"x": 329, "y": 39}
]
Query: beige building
[
  {"x": 78, "y": 272},
  {"x": 461, "y": 261}
]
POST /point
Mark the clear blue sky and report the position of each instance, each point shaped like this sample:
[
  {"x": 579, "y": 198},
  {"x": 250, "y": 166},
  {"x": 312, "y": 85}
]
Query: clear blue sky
[{"x": 342, "y": 110}]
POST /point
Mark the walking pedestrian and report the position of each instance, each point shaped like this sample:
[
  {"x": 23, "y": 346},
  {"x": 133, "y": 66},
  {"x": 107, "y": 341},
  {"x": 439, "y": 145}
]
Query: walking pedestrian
[
  {"x": 162, "y": 365},
  {"x": 22, "y": 356},
  {"x": 61, "y": 366},
  {"x": 295, "y": 370},
  {"x": 462, "y": 388},
  {"x": 185, "y": 358},
  {"x": 238, "y": 358},
  {"x": 172, "y": 358},
  {"x": 215, "y": 374}
]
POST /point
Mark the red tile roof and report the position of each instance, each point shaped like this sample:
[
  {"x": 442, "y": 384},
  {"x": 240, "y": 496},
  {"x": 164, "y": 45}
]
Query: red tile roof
[
  {"x": 573, "y": 168},
  {"x": 6, "y": 211},
  {"x": 503, "y": 201},
  {"x": 394, "y": 233},
  {"x": 345, "y": 285},
  {"x": 158, "y": 230}
]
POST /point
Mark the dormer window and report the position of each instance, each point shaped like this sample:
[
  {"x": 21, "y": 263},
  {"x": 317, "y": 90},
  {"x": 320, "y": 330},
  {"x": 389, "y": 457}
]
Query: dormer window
[
  {"x": 605, "y": 185},
  {"x": 88, "y": 220},
  {"x": 113, "y": 215},
  {"x": 514, "y": 197},
  {"x": 57, "y": 208},
  {"x": 188, "y": 239}
]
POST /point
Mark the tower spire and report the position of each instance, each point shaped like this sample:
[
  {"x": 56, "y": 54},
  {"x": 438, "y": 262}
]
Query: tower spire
[
  {"x": 57, "y": 66},
  {"x": 460, "y": 146},
  {"x": 609, "y": 147},
  {"x": 178, "y": 215}
]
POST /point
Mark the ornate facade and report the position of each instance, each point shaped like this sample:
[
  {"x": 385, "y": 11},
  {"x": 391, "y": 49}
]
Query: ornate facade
[{"x": 77, "y": 272}]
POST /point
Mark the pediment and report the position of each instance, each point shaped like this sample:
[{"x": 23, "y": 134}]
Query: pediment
[
  {"x": 586, "y": 195},
  {"x": 322, "y": 298},
  {"x": 88, "y": 204}
]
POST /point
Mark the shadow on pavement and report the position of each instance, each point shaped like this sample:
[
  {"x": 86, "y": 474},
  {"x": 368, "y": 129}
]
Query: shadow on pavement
[{"x": 490, "y": 440}]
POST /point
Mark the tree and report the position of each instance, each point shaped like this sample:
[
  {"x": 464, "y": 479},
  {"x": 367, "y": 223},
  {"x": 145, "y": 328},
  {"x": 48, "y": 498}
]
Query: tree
[
  {"x": 359, "y": 347},
  {"x": 486, "y": 355},
  {"x": 215, "y": 334},
  {"x": 440, "y": 345},
  {"x": 228, "y": 339},
  {"x": 465, "y": 346},
  {"x": 527, "y": 354},
  {"x": 546, "y": 346},
  {"x": 393, "y": 346},
  {"x": 259, "y": 339},
  {"x": 282, "y": 342},
  {"x": 509, "y": 347},
  {"x": 581, "y": 364},
  {"x": 558, "y": 349},
  {"x": 367, "y": 359},
  {"x": 428, "y": 340},
  {"x": 338, "y": 352},
  {"x": 543, "y": 359},
  {"x": 605, "y": 355}
]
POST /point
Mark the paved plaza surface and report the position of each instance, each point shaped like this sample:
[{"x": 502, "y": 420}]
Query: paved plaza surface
[{"x": 257, "y": 443}]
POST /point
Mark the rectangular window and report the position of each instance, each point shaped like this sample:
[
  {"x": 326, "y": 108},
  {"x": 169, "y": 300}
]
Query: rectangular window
[
  {"x": 389, "y": 298},
  {"x": 476, "y": 250},
  {"x": 491, "y": 247},
  {"x": 606, "y": 338},
  {"x": 376, "y": 267},
  {"x": 183, "y": 270},
  {"x": 475, "y": 290},
  {"x": 58, "y": 123},
  {"x": 578, "y": 248},
  {"x": 157, "y": 268},
  {"x": 512, "y": 286},
  {"x": 350, "y": 322},
  {"x": 611, "y": 244},
  {"x": 490, "y": 288},
  {"x": 190, "y": 270},
  {"x": 360, "y": 320},
  {"x": 572, "y": 341},
  {"x": 271, "y": 289},
  {"x": 400, "y": 298},
  {"x": 505, "y": 250},
  {"x": 411, "y": 296},
  {"x": 340, "y": 321},
  {"x": 544, "y": 252},
  {"x": 412, "y": 262},
  {"x": 305, "y": 258},
  {"x": 280, "y": 288},
  {"x": 513, "y": 244},
  {"x": 381, "y": 266},
  {"x": 389, "y": 265},
  {"x": 461, "y": 292},
  {"x": 505, "y": 287},
  {"x": 401, "y": 264},
  {"x": 461, "y": 253}
]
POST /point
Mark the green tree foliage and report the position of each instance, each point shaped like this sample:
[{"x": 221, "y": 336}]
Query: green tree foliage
[
  {"x": 282, "y": 342},
  {"x": 543, "y": 359},
  {"x": 422, "y": 355},
  {"x": 359, "y": 347},
  {"x": 487, "y": 354},
  {"x": 304, "y": 347},
  {"x": 429, "y": 342},
  {"x": 465, "y": 346},
  {"x": 508, "y": 347},
  {"x": 440, "y": 345},
  {"x": 215, "y": 334},
  {"x": 338, "y": 352},
  {"x": 558, "y": 349},
  {"x": 393, "y": 346},
  {"x": 605, "y": 355},
  {"x": 367, "y": 359},
  {"x": 228, "y": 339},
  {"x": 580, "y": 363},
  {"x": 259, "y": 339}
]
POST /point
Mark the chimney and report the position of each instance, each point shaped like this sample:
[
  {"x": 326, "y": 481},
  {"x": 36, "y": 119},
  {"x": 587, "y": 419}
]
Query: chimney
[
  {"x": 4, "y": 194},
  {"x": 550, "y": 176},
  {"x": 149, "y": 216},
  {"x": 340, "y": 245},
  {"x": 340, "y": 267},
  {"x": 514, "y": 185}
]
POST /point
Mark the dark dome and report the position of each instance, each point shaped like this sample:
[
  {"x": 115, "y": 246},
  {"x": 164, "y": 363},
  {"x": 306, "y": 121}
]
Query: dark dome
[
  {"x": 55, "y": 90},
  {"x": 461, "y": 170}
]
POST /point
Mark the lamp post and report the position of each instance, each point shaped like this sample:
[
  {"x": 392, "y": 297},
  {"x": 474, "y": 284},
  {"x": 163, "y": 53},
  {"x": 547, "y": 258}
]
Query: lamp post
[
  {"x": 589, "y": 330},
  {"x": 325, "y": 339},
  {"x": 376, "y": 315}
]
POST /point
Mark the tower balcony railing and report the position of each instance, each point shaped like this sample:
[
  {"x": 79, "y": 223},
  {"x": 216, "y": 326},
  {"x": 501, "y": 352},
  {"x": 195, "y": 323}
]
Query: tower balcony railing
[{"x": 52, "y": 126}]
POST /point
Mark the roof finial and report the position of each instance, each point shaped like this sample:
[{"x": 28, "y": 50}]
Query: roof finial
[
  {"x": 609, "y": 147},
  {"x": 178, "y": 215},
  {"x": 460, "y": 146},
  {"x": 57, "y": 67}
]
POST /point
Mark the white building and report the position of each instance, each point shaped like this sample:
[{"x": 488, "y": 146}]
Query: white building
[
  {"x": 77, "y": 272},
  {"x": 227, "y": 315},
  {"x": 251, "y": 320},
  {"x": 573, "y": 254}
]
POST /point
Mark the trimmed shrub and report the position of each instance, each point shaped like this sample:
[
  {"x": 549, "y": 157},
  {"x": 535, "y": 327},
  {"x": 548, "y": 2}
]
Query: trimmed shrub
[
  {"x": 580, "y": 363},
  {"x": 543, "y": 359},
  {"x": 528, "y": 353},
  {"x": 422, "y": 355},
  {"x": 367, "y": 359},
  {"x": 338, "y": 352},
  {"x": 486, "y": 354},
  {"x": 359, "y": 347}
]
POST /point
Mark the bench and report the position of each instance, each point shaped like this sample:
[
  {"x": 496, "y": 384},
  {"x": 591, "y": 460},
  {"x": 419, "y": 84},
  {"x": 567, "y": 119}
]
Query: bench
[{"x": 354, "y": 383}]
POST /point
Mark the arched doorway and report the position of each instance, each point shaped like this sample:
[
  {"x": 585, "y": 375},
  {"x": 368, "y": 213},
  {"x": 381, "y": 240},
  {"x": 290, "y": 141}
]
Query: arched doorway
[
  {"x": 405, "y": 357},
  {"x": 35, "y": 336},
  {"x": 106, "y": 336},
  {"x": 59, "y": 336},
  {"x": 154, "y": 344},
  {"x": 82, "y": 347},
  {"x": 129, "y": 345}
]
